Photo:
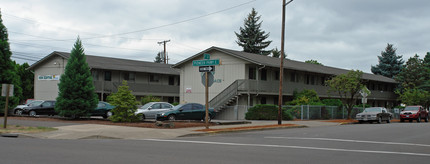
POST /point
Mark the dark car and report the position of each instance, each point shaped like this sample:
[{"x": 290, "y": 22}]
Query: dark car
[
  {"x": 374, "y": 114},
  {"x": 103, "y": 109},
  {"x": 18, "y": 109},
  {"x": 412, "y": 113},
  {"x": 45, "y": 108},
  {"x": 189, "y": 111}
]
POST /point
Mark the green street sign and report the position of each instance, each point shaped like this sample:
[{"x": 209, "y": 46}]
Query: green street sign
[
  {"x": 206, "y": 56},
  {"x": 205, "y": 62}
]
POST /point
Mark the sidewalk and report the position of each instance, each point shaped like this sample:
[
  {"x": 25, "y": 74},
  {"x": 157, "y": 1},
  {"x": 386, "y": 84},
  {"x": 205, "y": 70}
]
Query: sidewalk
[{"x": 96, "y": 131}]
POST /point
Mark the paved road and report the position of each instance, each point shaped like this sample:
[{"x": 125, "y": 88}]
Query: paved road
[{"x": 365, "y": 143}]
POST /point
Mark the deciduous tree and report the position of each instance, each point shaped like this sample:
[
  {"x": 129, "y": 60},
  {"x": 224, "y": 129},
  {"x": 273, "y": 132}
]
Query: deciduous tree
[{"x": 347, "y": 86}]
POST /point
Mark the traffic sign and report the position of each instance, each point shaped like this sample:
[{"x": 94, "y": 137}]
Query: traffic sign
[
  {"x": 206, "y": 56},
  {"x": 206, "y": 68},
  {"x": 205, "y": 62},
  {"x": 210, "y": 79}
]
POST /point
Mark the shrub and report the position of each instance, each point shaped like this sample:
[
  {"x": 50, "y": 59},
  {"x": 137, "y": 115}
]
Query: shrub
[
  {"x": 149, "y": 98},
  {"x": 266, "y": 112},
  {"x": 125, "y": 105},
  {"x": 332, "y": 102}
]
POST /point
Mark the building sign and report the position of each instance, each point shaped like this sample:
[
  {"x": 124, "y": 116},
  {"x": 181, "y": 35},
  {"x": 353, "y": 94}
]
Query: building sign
[
  {"x": 187, "y": 90},
  {"x": 48, "y": 77}
]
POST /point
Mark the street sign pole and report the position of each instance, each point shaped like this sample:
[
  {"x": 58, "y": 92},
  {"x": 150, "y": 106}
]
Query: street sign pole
[
  {"x": 206, "y": 101},
  {"x": 6, "y": 106}
]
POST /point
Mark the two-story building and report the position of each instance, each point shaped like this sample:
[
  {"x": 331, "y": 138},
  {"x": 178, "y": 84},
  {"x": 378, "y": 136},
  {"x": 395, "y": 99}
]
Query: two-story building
[
  {"x": 247, "y": 79},
  {"x": 144, "y": 78}
]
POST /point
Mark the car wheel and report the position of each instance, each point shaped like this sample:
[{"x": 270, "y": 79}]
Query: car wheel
[
  {"x": 427, "y": 119},
  {"x": 18, "y": 112},
  {"x": 389, "y": 120},
  {"x": 32, "y": 113},
  {"x": 402, "y": 120},
  {"x": 411, "y": 120},
  {"x": 171, "y": 117},
  {"x": 379, "y": 120},
  {"x": 109, "y": 114},
  {"x": 204, "y": 118},
  {"x": 142, "y": 117},
  {"x": 419, "y": 119},
  {"x": 360, "y": 121}
]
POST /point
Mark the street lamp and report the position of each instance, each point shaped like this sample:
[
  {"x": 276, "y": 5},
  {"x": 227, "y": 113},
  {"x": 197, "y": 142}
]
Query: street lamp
[{"x": 281, "y": 68}]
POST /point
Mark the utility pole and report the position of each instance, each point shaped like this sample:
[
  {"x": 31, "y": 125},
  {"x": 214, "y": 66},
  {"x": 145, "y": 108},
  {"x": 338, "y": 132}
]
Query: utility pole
[
  {"x": 281, "y": 69},
  {"x": 164, "y": 43}
]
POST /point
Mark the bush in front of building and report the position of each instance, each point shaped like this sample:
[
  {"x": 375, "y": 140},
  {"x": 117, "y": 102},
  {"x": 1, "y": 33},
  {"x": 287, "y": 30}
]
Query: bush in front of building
[
  {"x": 266, "y": 112},
  {"x": 125, "y": 105},
  {"x": 149, "y": 98}
]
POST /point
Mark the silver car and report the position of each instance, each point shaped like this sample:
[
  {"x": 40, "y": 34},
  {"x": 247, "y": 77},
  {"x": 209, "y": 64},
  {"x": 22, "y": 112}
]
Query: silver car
[
  {"x": 374, "y": 114},
  {"x": 150, "y": 110}
]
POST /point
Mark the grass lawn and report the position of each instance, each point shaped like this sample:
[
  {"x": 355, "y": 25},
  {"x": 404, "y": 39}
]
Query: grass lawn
[{"x": 24, "y": 129}]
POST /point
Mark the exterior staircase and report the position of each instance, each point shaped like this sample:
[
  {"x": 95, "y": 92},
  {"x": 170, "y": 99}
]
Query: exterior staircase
[{"x": 226, "y": 97}]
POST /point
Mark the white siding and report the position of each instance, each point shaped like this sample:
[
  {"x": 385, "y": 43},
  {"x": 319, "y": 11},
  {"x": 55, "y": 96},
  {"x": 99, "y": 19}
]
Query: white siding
[
  {"x": 229, "y": 70},
  {"x": 48, "y": 89}
]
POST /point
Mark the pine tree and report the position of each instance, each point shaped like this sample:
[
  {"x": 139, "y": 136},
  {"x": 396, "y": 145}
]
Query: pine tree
[
  {"x": 390, "y": 64},
  {"x": 125, "y": 105},
  {"x": 277, "y": 53},
  {"x": 7, "y": 70},
  {"x": 251, "y": 37},
  {"x": 76, "y": 95},
  {"x": 159, "y": 58}
]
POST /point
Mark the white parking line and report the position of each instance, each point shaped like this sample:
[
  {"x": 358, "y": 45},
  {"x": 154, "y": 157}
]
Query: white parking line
[
  {"x": 344, "y": 140},
  {"x": 292, "y": 147}
]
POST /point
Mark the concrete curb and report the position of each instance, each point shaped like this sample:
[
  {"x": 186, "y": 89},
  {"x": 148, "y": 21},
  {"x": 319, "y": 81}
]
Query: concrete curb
[{"x": 240, "y": 130}]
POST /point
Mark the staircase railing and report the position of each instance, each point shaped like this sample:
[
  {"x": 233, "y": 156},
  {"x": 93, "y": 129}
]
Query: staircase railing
[{"x": 225, "y": 95}]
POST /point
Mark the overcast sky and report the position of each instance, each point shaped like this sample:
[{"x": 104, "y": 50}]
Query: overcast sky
[{"x": 347, "y": 34}]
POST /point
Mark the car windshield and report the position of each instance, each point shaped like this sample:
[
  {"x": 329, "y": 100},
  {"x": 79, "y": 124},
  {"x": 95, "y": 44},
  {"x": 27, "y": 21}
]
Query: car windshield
[
  {"x": 146, "y": 106},
  {"x": 372, "y": 110},
  {"x": 411, "y": 108}
]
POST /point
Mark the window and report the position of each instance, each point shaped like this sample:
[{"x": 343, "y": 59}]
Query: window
[
  {"x": 198, "y": 107},
  {"x": 276, "y": 75},
  {"x": 95, "y": 74},
  {"x": 251, "y": 73},
  {"x": 263, "y": 100},
  {"x": 312, "y": 80},
  {"x": 166, "y": 106},
  {"x": 154, "y": 78},
  {"x": 156, "y": 106},
  {"x": 322, "y": 80},
  {"x": 187, "y": 107},
  {"x": 263, "y": 74},
  {"x": 308, "y": 79},
  {"x": 108, "y": 75},
  {"x": 276, "y": 100},
  {"x": 171, "y": 80},
  {"x": 293, "y": 77},
  {"x": 129, "y": 76}
]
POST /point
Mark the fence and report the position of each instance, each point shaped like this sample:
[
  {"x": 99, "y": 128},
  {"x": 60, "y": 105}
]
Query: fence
[{"x": 303, "y": 112}]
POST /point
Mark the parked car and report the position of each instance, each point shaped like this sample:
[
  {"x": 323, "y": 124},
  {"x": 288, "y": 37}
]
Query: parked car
[
  {"x": 103, "y": 109},
  {"x": 151, "y": 109},
  {"x": 29, "y": 103},
  {"x": 188, "y": 111},
  {"x": 412, "y": 113},
  {"x": 45, "y": 108},
  {"x": 374, "y": 114}
]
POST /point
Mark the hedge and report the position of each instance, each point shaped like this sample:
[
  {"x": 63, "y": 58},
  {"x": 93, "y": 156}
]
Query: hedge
[{"x": 266, "y": 112}]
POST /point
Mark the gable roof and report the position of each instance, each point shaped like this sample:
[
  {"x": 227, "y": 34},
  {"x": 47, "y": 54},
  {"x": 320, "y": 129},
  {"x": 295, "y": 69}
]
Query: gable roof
[
  {"x": 288, "y": 64},
  {"x": 107, "y": 63}
]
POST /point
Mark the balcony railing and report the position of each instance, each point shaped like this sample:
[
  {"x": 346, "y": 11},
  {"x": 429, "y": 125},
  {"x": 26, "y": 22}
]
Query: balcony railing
[{"x": 141, "y": 88}]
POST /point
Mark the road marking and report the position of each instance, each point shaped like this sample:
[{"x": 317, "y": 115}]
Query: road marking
[
  {"x": 292, "y": 147},
  {"x": 358, "y": 141}
]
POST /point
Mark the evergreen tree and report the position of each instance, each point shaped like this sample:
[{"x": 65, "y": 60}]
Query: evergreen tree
[
  {"x": 125, "y": 105},
  {"x": 7, "y": 70},
  {"x": 313, "y": 62},
  {"x": 251, "y": 37},
  {"x": 76, "y": 95},
  {"x": 390, "y": 64},
  {"x": 26, "y": 80},
  {"x": 413, "y": 73},
  {"x": 277, "y": 53},
  {"x": 159, "y": 58}
]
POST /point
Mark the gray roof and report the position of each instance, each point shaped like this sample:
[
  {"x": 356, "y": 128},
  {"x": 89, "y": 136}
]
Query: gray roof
[
  {"x": 107, "y": 63},
  {"x": 288, "y": 64}
]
